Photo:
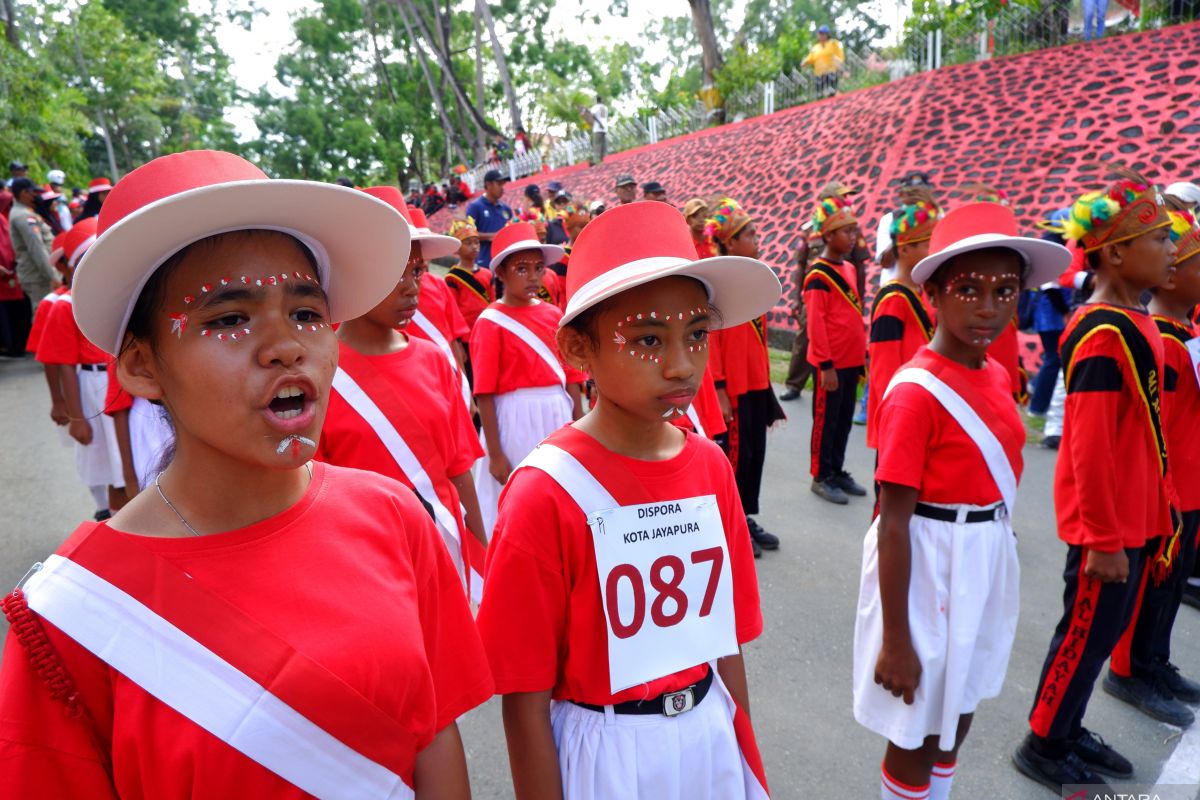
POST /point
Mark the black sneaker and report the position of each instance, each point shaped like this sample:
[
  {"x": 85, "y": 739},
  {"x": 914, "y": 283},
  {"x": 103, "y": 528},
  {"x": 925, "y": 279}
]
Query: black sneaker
[
  {"x": 848, "y": 485},
  {"x": 789, "y": 395},
  {"x": 1151, "y": 697},
  {"x": 1096, "y": 753},
  {"x": 828, "y": 490},
  {"x": 1183, "y": 689},
  {"x": 1054, "y": 773},
  {"x": 102, "y": 514},
  {"x": 1191, "y": 595},
  {"x": 1051, "y": 442},
  {"x": 754, "y": 548},
  {"x": 767, "y": 541}
]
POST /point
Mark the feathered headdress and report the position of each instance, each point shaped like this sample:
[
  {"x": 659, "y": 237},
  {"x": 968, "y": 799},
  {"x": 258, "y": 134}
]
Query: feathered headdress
[
  {"x": 985, "y": 193},
  {"x": 463, "y": 229},
  {"x": 725, "y": 220},
  {"x": 832, "y": 213},
  {"x": 914, "y": 222},
  {"x": 1127, "y": 209},
  {"x": 1184, "y": 234}
]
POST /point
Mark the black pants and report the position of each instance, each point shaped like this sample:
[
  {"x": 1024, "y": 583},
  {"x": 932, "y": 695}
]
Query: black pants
[
  {"x": 15, "y": 318},
  {"x": 833, "y": 417},
  {"x": 748, "y": 444},
  {"x": 1095, "y": 615},
  {"x": 1146, "y": 642}
]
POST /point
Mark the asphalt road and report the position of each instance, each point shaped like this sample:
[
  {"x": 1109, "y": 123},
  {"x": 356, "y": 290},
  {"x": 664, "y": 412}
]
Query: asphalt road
[{"x": 799, "y": 669}]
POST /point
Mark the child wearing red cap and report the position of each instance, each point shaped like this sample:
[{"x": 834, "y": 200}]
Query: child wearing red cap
[
  {"x": 522, "y": 387},
  {"x": 938, "y": 602},
  {"x": 1140, "y": 671},
  {"x": 257, "y": 624},
  {"x": 396, "y": 409},
  {"x": 621, "y": 584},
  {"x": 79, "y": 369},
  {"x": 837, "y": 348},
  {"x": 741, "y": 372},
  {"x": 1112, "y": 492}
]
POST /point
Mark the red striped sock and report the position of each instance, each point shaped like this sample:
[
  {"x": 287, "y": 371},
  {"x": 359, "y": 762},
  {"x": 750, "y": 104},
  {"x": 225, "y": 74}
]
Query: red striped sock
[
  {"x": 892, "y": 789},
  {"x": 940, "y": 781}
]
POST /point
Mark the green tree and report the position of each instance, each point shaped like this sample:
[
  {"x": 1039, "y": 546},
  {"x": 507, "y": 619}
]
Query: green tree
[{"x": 41, "y": 119}]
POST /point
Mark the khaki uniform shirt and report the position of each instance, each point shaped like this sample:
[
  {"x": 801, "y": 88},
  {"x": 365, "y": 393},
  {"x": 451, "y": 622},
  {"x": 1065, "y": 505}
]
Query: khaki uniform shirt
[{"x": 32, "y": 240}]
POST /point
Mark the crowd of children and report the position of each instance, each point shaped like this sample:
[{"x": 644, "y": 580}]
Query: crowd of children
[{"x": 342, "y": 499}]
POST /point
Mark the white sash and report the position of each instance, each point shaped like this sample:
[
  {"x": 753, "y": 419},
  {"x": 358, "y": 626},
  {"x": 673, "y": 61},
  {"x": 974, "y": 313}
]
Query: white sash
[
  {"x": 435, "y": 336},
  {"x": 188, "y": 677},
  {"x": 695, "y": 418},
  {"x": 404, "y": 457},
  {"x": 527, "y": 336},
  {"x": 989, "y": 446}
]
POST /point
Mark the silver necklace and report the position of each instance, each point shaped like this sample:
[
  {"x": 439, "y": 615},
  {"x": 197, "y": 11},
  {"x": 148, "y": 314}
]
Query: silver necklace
[{"x": 182, "y": 519}]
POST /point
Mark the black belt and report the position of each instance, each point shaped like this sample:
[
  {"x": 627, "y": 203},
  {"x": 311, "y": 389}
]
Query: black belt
[
  {"x": 94, "y": 367},
  {"x": 951, "y": 514},
  {"x": 670, "y": 704}
]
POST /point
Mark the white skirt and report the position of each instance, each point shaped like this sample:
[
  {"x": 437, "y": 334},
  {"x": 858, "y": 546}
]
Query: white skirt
[
  {"x": 694, "y": 756},
  {"x": 524, "y": 417},
  {"x": 99, "y": 463},
  {"x": 963, "y": 602},
  {"x": 150, "y": 434}
]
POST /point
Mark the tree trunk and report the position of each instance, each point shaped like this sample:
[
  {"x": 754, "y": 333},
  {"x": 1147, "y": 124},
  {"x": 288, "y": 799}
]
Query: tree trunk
[
  {"x": 10, "y": 24},
  {"x": 501, "y": 63},
  {"x": 480, "y": 141},
  {"x": 444, "y": 63},
  {"x": 433, "y": 90},
  {"x": 380, "y": 67},
  {"x": 702, "y": 21},
  {"x": 101, "y": 117}
]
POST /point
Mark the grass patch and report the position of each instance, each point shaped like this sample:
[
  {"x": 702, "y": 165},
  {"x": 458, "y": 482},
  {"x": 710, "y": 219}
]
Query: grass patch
[{"x": 780, "y": 360}]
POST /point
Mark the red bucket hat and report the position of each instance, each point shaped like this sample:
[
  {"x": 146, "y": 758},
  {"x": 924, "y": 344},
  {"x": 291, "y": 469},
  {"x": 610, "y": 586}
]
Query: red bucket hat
[
  {"x": 78, "y": 240},
  {"x": 521, "y": 236},
  {"x": 433, "y": 245},
  {"x": 979, "y": 226},
  {"x": 173, "y": 201},
  {"x": 99, "y": 185},
  {"x": 56, "y": 247},
  {"x": 641, "y": 242}
]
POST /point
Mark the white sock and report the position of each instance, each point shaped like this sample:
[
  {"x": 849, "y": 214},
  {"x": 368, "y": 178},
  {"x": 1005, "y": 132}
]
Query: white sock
[
  {"x": 100, "y": 495},
  {"x": 941, "y": 780},
  {"x": 892, "y": 789},
  {"x": 1193, "y": 581}
]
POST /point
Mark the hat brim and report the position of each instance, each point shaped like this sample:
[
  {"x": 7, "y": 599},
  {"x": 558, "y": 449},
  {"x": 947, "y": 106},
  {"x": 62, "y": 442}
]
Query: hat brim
[
  {"x": 741, "y": 288},
  {"x": 552, "y": 253},
  {"x": 1044, "y": 261},
  {"x": 360, "y": 244},
  {"x": 435, "y": 245}
]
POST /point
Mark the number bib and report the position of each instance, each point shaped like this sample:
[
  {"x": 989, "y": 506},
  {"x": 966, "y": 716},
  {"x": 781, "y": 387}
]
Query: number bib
[{"x": 667, "y": 588}]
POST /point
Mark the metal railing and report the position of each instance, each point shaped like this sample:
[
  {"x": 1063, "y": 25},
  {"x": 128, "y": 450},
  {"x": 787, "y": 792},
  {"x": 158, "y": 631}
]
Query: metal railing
[{"x": 924, "y": 45}]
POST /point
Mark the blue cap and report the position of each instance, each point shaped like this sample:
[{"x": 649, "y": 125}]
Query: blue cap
[
  {"x": 554, "y": 186},
  {"x": 823, "y": 29}
]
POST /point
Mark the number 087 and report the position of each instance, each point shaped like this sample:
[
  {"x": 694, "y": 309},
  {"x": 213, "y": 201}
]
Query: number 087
[{"x": 666, "y": 588}]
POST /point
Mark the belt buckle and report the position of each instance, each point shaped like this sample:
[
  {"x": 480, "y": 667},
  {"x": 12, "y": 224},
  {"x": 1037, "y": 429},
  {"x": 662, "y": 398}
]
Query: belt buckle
[{"x": 680, "y": 702}]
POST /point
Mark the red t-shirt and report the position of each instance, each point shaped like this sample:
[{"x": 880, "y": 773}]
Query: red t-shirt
[
  {"x": 421, "y": 377},
  {"x": 1180, "y": 411},
  {"x": 1007, "y": 350},
  {"x": 897, "y": 333},
  {"x": 837, "y": 337},
  {"x": 922, "y": 446},
  {"x": 502, "y": 363},
  {"x": 470, "y": 302},
  {"x": 116, "y": 398},
  {"x": 40, "y": 314},
  {"x": 61, "y": 340},
  {"x": 1108, "y": 489},
  {"x": 739, "y": 357},
  {"x": 542, "y": 620},
  {"x": 10, "y": 286},
  {"x": 440, "y": 307},
  {"x": 354, "y": 576}
]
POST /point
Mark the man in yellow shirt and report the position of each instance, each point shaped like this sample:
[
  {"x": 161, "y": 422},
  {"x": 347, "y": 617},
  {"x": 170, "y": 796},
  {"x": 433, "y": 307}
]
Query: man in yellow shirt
[{"x": 826, "y": 58}]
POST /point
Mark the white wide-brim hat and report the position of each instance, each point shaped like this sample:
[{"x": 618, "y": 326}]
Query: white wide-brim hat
[
  {"x": 636, "y": 243},
  {"x": 174, "y": 201},
  {"x": 979, "y": 226}
]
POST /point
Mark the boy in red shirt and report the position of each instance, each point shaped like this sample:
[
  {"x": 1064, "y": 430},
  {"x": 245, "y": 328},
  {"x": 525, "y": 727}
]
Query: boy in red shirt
[
  {"x": 1111, "y": 490},
  {"x": 1140, "y": 671},
  {"x": 837, "y": 348},
  {"x": 470, "y": 283}
]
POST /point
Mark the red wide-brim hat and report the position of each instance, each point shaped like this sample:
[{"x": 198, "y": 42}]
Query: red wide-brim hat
[
  {"x": 433, "y": 245},
  {"x": 521, "y": 236},
  {"x": 171, "y": 202},
  {"x": 636, "y": 243},
  {"x": 78, "y": 240},
  {"x": 979, "y": 226}
]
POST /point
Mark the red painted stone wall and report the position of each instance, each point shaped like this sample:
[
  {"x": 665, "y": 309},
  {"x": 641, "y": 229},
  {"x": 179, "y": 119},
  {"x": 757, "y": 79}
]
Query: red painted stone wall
[{"x": 1036, "y": 125}]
